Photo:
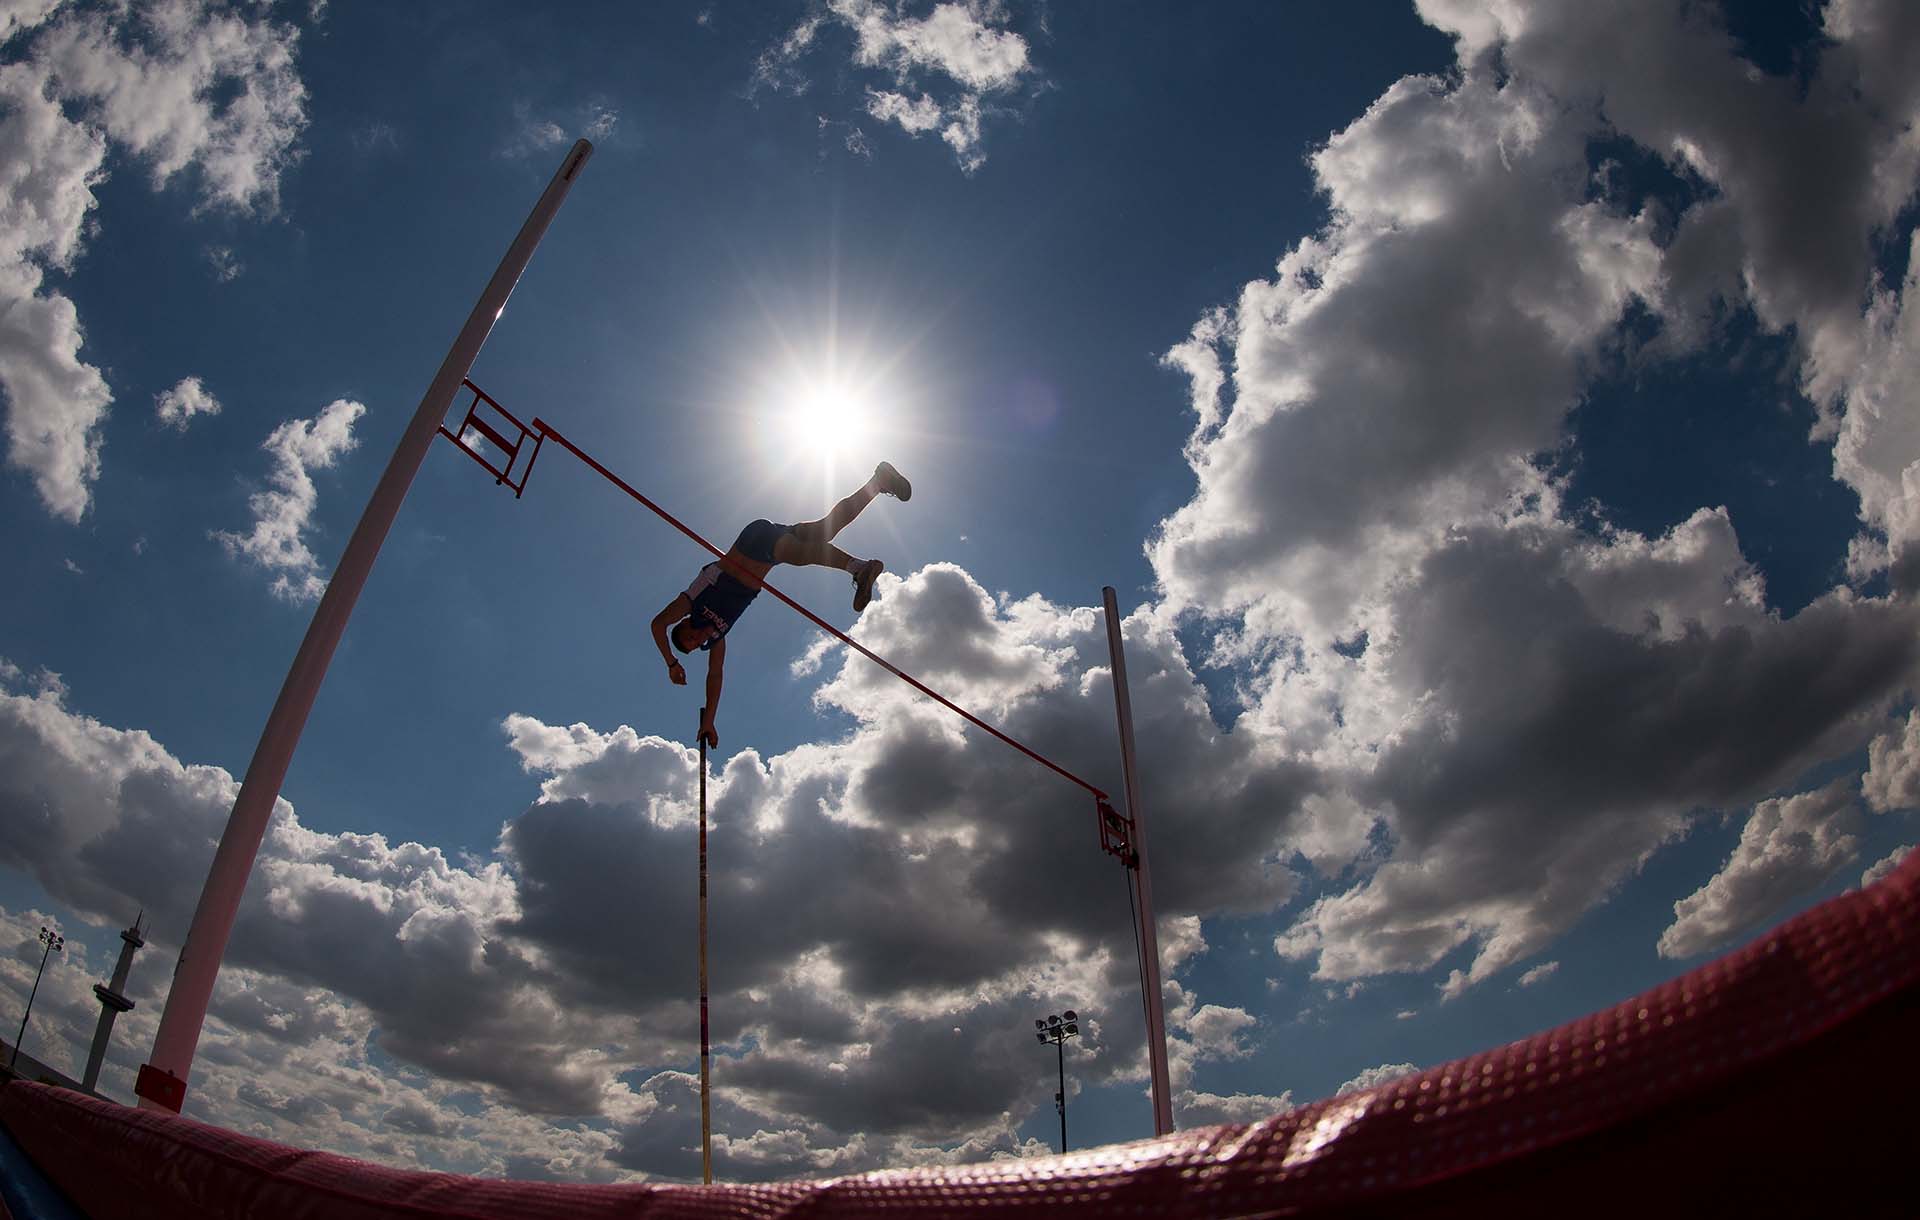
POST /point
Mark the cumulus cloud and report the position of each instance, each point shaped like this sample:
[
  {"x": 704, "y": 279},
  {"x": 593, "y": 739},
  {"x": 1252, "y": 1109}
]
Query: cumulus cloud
[
  {"x": 185, "y": 84},
  {"x": 178, "y": 85},
  {"x": 1892, "y": 780},
  {"x": 1518, "y": 703},
  {"x": 177, "y": 407},
  {"x": 1539, "y": 974},
  {"x": 283, "y": 514},
  {"x": 55, "y": 401},
  {"x": 1790, "y": 845},
  {"x": 944, "y": 66},
  {"x": 1884, "y": 866},
  {"x": 1800, "y": 255},
  {"x": 1524, "y": 785},
  {"x": 1374, "y": 1077}
]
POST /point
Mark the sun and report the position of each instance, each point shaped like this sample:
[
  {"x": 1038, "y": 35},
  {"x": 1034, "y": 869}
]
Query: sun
[{"x": 828, "y": 419}]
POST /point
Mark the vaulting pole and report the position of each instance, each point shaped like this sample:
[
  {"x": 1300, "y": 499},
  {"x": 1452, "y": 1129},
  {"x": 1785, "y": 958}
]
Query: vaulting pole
[
  {"x": 706, "y": 1111},
  {"x": 163, "y": 1081},
  {"x": 1149, "y": 946}
]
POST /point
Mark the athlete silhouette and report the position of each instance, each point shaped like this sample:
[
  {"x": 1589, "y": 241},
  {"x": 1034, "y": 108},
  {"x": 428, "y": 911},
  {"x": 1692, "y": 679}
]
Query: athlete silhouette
[{"x": 702, "y": 616}]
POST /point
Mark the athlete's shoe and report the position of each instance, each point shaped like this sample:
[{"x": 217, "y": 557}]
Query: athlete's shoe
[
  {"x": 863, "y": 578},
  {"x": 892, "y": 482}
]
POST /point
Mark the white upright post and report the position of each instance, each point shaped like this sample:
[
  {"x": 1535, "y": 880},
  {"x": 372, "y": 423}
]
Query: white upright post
[
  {"x": 162, "y": 1082},
  {"x": 1149, "y": 937}
]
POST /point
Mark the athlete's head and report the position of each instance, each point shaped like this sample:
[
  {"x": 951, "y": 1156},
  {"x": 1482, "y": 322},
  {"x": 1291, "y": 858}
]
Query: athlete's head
[{"x": 688, "y": 635}]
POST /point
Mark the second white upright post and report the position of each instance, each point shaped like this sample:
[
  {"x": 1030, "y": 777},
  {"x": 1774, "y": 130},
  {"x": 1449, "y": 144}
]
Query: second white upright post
[{"x": 1149, "y": 938}]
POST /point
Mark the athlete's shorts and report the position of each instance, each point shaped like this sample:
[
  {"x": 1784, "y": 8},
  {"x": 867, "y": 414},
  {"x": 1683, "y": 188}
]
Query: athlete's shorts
[{"x": 757, "y": 540}]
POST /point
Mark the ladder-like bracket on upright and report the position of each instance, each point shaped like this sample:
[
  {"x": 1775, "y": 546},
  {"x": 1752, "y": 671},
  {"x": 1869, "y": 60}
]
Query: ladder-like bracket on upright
[
  {"x": 1116, "y": 833},
  {"x": 496, "y": 435}
]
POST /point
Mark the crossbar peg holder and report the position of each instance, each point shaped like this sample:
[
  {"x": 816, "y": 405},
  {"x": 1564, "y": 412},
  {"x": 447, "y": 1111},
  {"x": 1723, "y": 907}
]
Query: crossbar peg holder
[
  {"x": 1116, "y": 833},
  {"x": 496, "y": 434}
]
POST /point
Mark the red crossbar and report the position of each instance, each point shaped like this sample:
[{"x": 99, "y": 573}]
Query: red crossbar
[{"x": 547, "y": 429}]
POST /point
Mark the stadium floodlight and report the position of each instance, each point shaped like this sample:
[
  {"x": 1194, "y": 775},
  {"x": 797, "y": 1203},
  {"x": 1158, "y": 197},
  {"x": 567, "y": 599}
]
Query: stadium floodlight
[
  {"x": 1057, "y": 1029},
  {"x": 54, "y": 943}
]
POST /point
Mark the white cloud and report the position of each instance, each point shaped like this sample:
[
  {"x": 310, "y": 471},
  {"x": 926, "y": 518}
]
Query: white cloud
[
  {"x": 1877, "y": 451},
  {"x": 1892, "y": 780},
  {"x": 1539, "y": 974},
  {"x": 177, "y": 84},
  {"x": 226, "y": 266},
  {"x": 283, "y": 514},
  {"x": 1210, "y": 1034},
  {"x": 1884, "y": 866},
  {"x": 1216, "y": 1031},
  {"x": 19, "y": 15},
  {"x": 176, "y": 408},
  {"x": 1374, "y": 1077},
  {"x": 1805, "y": 175},
  {"x": 960, "y": 52},
  {"x": 1373, "y": 408},
  {"x": 955, "y": 40},
  {"x": 186, "y": 84},
  {"x": 533, "y": 134},
  {"x": 55, "y": 401},
  {"x": 1521, "y": 703},
  {"x": 1790, "y": 845},
  {"x": 1522, "y": 785},
  {"x": 915, "y": 115}
]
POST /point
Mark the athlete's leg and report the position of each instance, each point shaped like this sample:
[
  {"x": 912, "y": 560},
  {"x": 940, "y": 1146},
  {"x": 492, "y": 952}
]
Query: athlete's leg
[
  {"x": 885, "y": 480},
  {"x": 811, "y": 542},
  {"x": 796, "y": 547},
  {"x": 803, "y": 545}
]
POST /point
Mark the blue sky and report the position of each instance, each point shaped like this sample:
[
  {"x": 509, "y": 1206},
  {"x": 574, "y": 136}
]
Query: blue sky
[{"x": 1496, "y": 421}]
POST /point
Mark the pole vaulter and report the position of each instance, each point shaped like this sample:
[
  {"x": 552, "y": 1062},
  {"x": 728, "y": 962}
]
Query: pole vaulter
[{"x": 162, "y": 1083}]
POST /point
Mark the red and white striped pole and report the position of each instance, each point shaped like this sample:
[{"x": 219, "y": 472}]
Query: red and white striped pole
[
  {"x": 1149, "y": 946},
  {"x": 162, "y": 1082}
]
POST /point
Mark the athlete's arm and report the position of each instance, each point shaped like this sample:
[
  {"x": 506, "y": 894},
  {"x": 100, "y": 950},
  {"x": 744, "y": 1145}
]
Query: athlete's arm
[
  {"x": 676, "y": 610},
  {"x": 716, "y": 667}
]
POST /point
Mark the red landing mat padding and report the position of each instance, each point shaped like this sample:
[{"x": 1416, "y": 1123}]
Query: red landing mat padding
[{"x": 1779, "y": 1080}]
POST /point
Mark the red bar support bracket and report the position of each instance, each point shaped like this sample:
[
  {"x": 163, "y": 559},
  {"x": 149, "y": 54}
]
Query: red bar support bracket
[
  {"x": 1116, "y": 833},
  {"x": 159, "y": 1087},
  {"x": 496, "y": 435}
]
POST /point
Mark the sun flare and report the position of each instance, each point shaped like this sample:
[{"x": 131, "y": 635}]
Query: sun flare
[{"x": 828, "y": 419}]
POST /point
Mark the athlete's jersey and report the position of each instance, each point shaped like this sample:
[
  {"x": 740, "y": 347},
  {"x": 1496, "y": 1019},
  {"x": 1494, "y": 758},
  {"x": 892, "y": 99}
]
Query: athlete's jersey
[{"x": 719, "y": 599}]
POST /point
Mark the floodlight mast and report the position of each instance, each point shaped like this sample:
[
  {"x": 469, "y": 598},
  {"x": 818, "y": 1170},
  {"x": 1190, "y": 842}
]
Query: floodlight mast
[{"x": 162, "y": 1081}]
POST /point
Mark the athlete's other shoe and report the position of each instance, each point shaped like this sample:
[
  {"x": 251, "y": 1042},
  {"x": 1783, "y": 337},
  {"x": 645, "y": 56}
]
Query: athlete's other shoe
[
  {"x": 863, "y": 578},
  {"x": 892, "y": 482}
]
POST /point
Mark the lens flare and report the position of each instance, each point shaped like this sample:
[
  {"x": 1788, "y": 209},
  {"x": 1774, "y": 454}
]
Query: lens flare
[{"x": 828, "y": 420}]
